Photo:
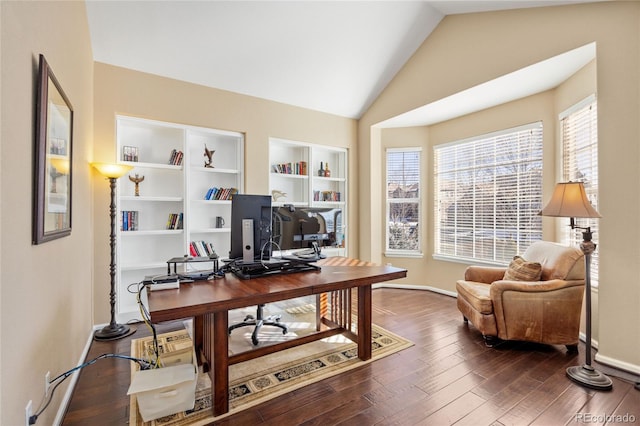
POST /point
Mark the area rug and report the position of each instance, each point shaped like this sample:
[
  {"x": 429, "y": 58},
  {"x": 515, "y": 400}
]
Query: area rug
[{"x": 259, "y": 380}]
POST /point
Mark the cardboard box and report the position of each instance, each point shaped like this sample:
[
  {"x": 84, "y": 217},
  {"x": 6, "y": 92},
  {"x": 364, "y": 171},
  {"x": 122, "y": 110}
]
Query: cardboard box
[
  {"x": 175, "y": 348},
  {"x": 164, "y": 391}
]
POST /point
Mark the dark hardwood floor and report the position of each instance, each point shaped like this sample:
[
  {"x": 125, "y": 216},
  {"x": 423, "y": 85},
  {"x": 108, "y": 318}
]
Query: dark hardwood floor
[{"x": 447, "y": 377}]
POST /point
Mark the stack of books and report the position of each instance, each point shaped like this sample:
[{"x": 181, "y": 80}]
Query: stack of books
[
  {"x": 299, "y": 168},
  {"x": 220, "y": 193},
  {"x": 176, "y": 157},
  {"x": 174, "y": 221},
  {"x": 129, "y": 220},
  {"x": 201, "y": 249}
]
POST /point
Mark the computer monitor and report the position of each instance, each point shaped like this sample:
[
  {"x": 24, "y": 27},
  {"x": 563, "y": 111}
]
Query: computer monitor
[
  {"x": 250, "y": 227},
  {"x": 300, "y": 227}
]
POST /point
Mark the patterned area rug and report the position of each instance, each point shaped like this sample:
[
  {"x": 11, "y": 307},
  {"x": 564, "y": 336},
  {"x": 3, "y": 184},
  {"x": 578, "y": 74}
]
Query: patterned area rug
[{"x": 256, "y": 381}]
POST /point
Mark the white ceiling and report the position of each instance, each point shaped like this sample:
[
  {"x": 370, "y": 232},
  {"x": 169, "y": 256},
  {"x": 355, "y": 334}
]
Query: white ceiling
[{"x": 330, "y": 56}]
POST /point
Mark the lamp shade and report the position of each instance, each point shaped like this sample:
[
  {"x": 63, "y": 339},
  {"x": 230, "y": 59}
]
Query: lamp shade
[
  {"x": 61, "y": 165},
  {"x": 112, "y": 170},
  {"x": 569, "y": 199}
]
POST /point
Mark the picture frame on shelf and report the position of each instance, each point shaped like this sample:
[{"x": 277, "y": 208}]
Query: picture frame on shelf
[
  {"x": 130, "y": 153},
  {"x": 53, "y": 158}
]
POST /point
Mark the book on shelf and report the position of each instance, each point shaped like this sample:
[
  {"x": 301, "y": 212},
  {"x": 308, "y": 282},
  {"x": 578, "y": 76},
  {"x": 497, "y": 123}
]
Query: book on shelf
[
  {"x": 297, "y": 168},
  {"x": 176, "y": 157},
  {"x": 220, "y": 193},
  {"x": 200, "y": 249},
  {"x": 174, "y": 221},
  {"x": 129, "y": 220}
]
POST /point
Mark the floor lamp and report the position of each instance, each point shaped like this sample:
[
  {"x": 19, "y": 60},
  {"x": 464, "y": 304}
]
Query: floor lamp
[
  {"x": 113, "y": 330},
  {"x": 570, "y": 200}
]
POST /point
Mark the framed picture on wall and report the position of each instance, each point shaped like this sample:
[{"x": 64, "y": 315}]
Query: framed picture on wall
[{"x": 53, "y": 149}]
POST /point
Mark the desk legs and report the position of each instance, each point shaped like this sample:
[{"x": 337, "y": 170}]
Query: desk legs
[
  {"x": 364, "y": 322},
  {"x": 216, "y": 349}
]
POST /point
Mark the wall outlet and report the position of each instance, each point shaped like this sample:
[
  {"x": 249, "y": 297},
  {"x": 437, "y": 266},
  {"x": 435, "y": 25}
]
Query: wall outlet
[
  {"x": 28, "y": 412},
  {"x": 47, "y": 384}
]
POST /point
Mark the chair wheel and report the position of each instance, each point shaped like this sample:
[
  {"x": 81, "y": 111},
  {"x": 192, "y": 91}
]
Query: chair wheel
[
  {"x": 255, "y": 341},
  {"x": 248, "y": 317},
  {"x": 284, "y": 331}
]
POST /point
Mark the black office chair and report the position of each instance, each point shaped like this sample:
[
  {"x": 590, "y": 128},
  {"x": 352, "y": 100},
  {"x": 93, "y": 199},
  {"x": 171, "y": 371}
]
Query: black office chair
[{"x": 258, "y": 322}]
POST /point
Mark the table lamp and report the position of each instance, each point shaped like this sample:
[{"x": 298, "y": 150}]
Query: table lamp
[
  {"x": 113, "y": 330},
  {"x": 570, "y": 200}
]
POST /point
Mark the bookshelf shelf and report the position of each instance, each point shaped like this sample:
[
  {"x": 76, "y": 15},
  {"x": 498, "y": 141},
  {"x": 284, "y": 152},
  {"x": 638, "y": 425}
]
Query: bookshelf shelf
[
  {"x": 171, "y": 158},
  {"x": 151, "y": 199},
  {"x": 211, "y": 231},
  {"x": 133, "y": 234},
  {"x": 141, "y": 165}
]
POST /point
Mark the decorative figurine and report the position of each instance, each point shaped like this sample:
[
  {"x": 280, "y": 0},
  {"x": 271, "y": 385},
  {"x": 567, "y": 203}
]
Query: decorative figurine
[
  {"x": 137, "y": 181},
  {"x": 277, "y": 194},
  {"x": 209, "y": 155}
]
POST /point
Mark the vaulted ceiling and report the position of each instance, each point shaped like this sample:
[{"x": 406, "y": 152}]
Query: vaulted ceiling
[{"x": 330, "y": 56}]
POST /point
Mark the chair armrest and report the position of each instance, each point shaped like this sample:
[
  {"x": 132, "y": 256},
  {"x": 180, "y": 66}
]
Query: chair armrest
[
  {"x": 484, "y": 274},
  {"x": 500, "y": 286},
  {"x": 541, "y": 311}
]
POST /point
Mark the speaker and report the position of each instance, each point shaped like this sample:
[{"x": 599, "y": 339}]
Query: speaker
[{"x": 247, "y": 241}]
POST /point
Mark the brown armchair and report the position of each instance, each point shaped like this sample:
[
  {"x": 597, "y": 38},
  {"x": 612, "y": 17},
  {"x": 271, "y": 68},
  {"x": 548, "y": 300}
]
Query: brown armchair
[{"x": 545, "y": 311}]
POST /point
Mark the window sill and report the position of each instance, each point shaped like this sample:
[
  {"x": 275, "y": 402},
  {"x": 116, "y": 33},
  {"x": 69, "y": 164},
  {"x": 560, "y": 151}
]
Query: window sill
[{"x": 408, "y": 254}]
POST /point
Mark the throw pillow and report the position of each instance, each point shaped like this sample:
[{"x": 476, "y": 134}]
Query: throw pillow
[{"x": 521, "y": 270}]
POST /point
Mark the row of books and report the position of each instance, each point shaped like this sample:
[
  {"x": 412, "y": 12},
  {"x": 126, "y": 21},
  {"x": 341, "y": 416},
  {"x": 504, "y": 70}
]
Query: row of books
[
  {"x": 175, "y": 221},
  {"x": 200, "y": 248},
  {"x": 220, "y": 193},
  {"x": 129, "y": 220},
  {"x": 176, "y": 157},
  {"x": 326, "y": 196},
  {"x": 299, "y": 168}
]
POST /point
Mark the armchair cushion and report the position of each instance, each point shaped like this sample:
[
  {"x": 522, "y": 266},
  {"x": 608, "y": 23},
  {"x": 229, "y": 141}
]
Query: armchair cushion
[
  {"x": 521, "y": 270},
  {"x": 477, "y": 294}
]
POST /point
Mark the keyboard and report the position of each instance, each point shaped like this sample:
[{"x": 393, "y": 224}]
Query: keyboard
[{"x": 270, "y": 267}]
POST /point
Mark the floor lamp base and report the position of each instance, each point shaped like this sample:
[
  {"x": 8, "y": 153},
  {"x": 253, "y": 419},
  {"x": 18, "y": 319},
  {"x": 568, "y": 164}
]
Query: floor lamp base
[
  {"x": 113, "y": 332},
  {"x": 588, "y": 376}
]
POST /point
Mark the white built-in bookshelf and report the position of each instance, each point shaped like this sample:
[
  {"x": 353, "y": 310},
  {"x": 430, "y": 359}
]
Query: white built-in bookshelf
[
  {"x": 180, "y": 200},
  {"x": 296, "y": 178}
]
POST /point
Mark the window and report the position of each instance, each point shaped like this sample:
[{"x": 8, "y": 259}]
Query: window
[
  {"x": 579, "y": 130},
  {"x": 403, "y": 201},
  {"x": 488, "y": 192}
]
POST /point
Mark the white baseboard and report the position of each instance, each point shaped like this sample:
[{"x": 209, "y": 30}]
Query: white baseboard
[
  {"x": 62, "y": 409},
  {"x": 616, "y": 363}
]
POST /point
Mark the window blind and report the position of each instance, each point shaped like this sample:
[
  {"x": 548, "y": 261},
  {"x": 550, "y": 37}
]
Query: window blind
[
  {"x": 403, "y": 200},
  {"x": 488, "y": 192},
  {"x": 579, "y": 130}
]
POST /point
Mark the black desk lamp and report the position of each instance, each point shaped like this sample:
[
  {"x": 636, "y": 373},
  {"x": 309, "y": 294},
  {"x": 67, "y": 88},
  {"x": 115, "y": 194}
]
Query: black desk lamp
[
  {"x": 113, "y": 330},
  {"x": 569, "y": 199}
]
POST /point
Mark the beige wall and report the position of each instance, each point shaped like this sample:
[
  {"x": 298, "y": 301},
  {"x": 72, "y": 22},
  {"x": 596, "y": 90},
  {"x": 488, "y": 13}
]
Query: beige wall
[
  {"x": 502, "y": 42},
  {"x": 127, "y": 92},
  {"x": 45, "y": 290}
]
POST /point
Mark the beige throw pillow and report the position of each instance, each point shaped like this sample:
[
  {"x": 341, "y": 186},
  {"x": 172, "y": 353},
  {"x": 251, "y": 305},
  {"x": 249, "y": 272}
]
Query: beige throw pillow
[{"x": 521, "y": 270}]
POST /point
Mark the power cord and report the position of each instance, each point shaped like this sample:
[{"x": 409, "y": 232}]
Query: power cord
[
  {"x": 46, "y": 400},
  {"x": 144, "y": 364},
  {"x": 146, "y": 317}
]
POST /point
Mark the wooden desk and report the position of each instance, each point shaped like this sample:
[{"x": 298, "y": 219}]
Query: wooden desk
[{"x": 209, "y": 303}]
